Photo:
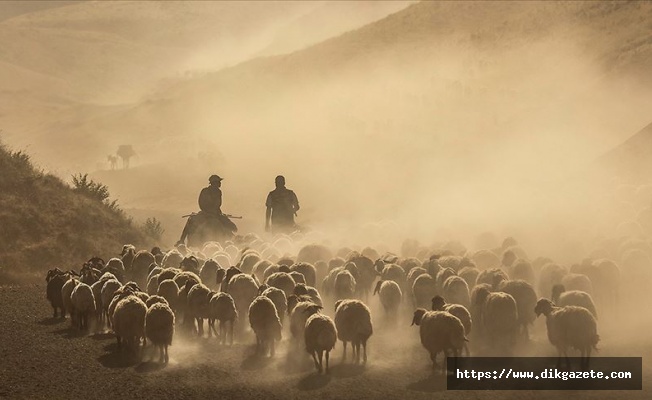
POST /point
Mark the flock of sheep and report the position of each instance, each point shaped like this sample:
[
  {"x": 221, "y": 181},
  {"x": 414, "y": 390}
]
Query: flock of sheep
[{"x": 488, "y": 297}]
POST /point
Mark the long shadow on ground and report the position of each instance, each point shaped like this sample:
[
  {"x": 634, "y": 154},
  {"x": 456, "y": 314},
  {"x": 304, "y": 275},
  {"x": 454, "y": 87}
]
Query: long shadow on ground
[
  {"x": 436, "y": 382},
  {"x": 313, "y": 381}
]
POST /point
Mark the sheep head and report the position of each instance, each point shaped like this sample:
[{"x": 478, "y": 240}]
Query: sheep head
[
  {"x": 557, "y": 290},
  {"x": 438, "y": 303},
  {"x": 220, "y": 275},
  {"x": 418, "y": 316},
  {"x": 378, "y": 285},
  {"x": 544, "y": 306}
]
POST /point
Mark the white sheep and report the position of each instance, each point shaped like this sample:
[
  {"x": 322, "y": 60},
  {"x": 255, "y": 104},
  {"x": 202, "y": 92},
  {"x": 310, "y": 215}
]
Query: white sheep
[
  {"x": 129, "y": 321},
  {"x": 492, "y": 277},
  {"x": 140, "y": 267},
  {"x": 344, "y": 285},
  {"x": 277, "y": 296},
  {"x": 84, "y": 304},
  {"x": 393, "y": 272},
  {"x": 579, "y": 282},
  {"x": 353, "y": 322},
  {"x": 458, "y": 310},
  {"x": 169, "y": 290},
  {"x": 440, "y": 331},
  {"x": 299, "y": 314},
  {"x": 199, "y": 297},
  {"x": 117, "y": 268},
  {"x": 108, "y": 291},
  {"x": 66, "y": 293},
  {"x": 563, "y": 298},
  {"x": 569, "y": 326},
  {"x": 550, "y": 275},
  {"x": 265, "y": 323},
  {"x": 500, "y": 319},
  {"x": 390, "y": 297},
  {"x": 159, "y": 328},
  {"x": 470, "y": 275},
  {"x": 156, "y": 299},
  {"x": 283, "y": 281},
  {"x": 314, "y": 252},
  {"x": 456, "y": 291},
  {"x": 303, "y": 290},
  {"x": 423, "y": 289},
  {"x": 243, "y": 289},
  {"x": 320, "y": 336},
  {"x": 522, "y": 270},
  {"x": 222, "y": 308},
  {"x": 526, "y": 299}
]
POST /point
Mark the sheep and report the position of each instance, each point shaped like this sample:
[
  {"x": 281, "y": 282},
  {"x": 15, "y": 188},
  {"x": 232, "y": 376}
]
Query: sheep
[
  {"x": 478, "y": 299},
  {"x": 452, "y": 262},
  {"x": 129, "y": 321},
  {"x": 492, "y": 277},
  {"x": 297, "y": 277},
  {"x": 259, "y": 269},
  {"x": 353, "y": 322},
  {"x": 440, "y": 331},
  {"x": 580, "y": 282},
  {"x": 314, "y": 252},
  {"x": 432, "y": 265},
  {"x": 152, "y": 285},
  {"x": 208, "y": 273},
  {"x": 159, "y": 328},
  {"x": 198, "y": 299},
  {"x": 367, "y": 273},
  {"x": 168, "y": 273},
  {"x": 243, "y": 289},
  {"x": 140, "y": 267},
  {"x": 390, "y": 297},
  {"x": 303, "y": 290},
  {"x": 423, "y": 289},
  {"x": 461, "y": 312},
  {"x": 117, "y": 268},
  {"x": 66, "y": 293},
  {"x": 56, "y": 279},
  {"x": 344, "y": 285},
  {"x": 470, "y": 275},
  {"x": 169, "y": 290},
  {"x": 412, "y": 276},
  {"x": 222, "y": 308},
  {"x": 226, "y": 279},
  {"x": 84, "y": 304},
  {"x": 307, "y": 270},
  {"x": 500, "y": 319},
  {"x": 522, "y": 270},
  {"x": 320, "y": 336},
  {"x": 563, "y": 298},
  {"x": 526, "y": 298},
  {"x": 172, "y": 259},
  {"x": 370, "y": 253},
  {"x": 299, "y": 314},
  {"x": 106, "y": 294},
  {"x": 156, "y": 299},
  {"x": 335, "y": 263},
  {"x": 184, "y": 276},
  {"x": 442, "y": 275},
  {"x": 265, "y": 323},
  {"x": 127, "y": 256},
  {"x": 246, "y": 264},
  {"x": 550, "y": 275},
  {"x": 277, "y": 296},
  {"x": 190, "y": 264},
  {"x": 456, "y": 291},
  {"x": 569, "y": 326},
  {"x": 393, "y": 272},
  {"x": 486, "y": 259}
]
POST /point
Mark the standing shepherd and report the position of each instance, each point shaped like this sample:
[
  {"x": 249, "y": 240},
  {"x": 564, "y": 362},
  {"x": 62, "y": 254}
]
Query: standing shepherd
[{"x": 282, "y": 206}]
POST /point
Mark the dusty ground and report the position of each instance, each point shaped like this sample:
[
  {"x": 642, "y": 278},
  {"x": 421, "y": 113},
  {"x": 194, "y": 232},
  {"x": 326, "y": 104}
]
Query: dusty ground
[{"x": 41, "y": 357}]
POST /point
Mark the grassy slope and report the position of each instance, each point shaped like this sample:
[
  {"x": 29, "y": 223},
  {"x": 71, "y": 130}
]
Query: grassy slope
[{"x": 46, "y": 224}]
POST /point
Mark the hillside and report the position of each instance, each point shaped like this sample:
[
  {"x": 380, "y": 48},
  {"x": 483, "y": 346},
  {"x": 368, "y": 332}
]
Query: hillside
[
  {"x": 632, "y": 159},
  {"x": 47, "y": 224}
]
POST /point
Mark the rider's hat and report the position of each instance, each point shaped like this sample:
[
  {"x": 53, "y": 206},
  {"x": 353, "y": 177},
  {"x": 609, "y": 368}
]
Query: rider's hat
[{"x": 214, "y": 178}]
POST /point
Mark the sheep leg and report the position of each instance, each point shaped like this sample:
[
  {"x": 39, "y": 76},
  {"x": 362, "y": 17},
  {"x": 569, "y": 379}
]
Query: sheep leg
[
  {"x": 271, "y": 348},
  {"x": 200, "y": 327},
  {"x": 433, "y": 357},
  {"x": 222, "y": 334},
  {"x": 327, "y": 357},
  {"x": 160, "y": 354},
  {"x": 55, "y": 312},
  {"x": 321, "y": 360},
  {"x": 231, "y": 327},
  {"x": 356, "y": 352},
  {"x": 167, "y": 356},
  {"x": 344, "y": 355},
  {"x": 210, "y": 332},
  {"x": 314, "y": 357},
  {"x": 364, "y": 349}
]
